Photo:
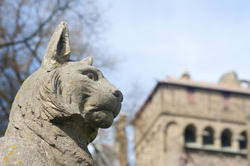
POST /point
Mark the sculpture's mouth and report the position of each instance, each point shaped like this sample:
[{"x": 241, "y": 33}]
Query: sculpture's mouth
[
  {"x": 114, "y": 110},
  {"x": 106, "y": 111},
  {"x": 101, "y": 116}
]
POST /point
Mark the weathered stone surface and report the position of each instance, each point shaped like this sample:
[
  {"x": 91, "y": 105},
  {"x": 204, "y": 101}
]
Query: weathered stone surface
[
  {"x": 58, "y": 110},
  {"x": 173, "y": 105},
  {"x": 230, "y": 78}
]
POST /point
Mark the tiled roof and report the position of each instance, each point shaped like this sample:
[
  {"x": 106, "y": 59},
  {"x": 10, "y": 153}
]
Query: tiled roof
[{"x": 209, "y": 86}]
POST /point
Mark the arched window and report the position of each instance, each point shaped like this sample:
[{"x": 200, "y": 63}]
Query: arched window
[
  {"x": 190, "y": 134},
  {"x": 226, "y": 138},
  {"x": 208, "y": 136},
  {"x": 243, "y": 140}
]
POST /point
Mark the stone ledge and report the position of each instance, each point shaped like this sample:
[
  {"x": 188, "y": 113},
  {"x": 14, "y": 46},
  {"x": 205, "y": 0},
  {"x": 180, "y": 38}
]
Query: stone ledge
[{"x": 212, "y": 149}]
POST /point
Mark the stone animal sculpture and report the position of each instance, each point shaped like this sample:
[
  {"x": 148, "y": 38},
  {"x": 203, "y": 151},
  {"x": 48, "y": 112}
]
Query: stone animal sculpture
[{"x": 58, "y": 110}]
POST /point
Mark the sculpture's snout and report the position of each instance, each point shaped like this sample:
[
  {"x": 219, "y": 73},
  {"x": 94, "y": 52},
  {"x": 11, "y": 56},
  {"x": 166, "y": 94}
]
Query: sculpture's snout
[{"x": 118, "y": 94}]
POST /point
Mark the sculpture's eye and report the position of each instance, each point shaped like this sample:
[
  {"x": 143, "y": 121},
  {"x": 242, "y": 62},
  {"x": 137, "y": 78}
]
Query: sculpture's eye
[{"x": 91, "y": 76}]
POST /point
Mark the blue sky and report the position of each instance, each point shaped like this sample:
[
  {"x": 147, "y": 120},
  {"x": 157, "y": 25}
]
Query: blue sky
[{"x": 155, "y": 39}]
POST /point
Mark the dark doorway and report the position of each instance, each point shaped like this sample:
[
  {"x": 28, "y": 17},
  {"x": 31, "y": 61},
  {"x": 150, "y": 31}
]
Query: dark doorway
[
  {"x": 208, "y": 136},
  {"x": 190, "y": 134},
  {"x": 243, "y": 141},
  {"x": 226, "y": 138}
]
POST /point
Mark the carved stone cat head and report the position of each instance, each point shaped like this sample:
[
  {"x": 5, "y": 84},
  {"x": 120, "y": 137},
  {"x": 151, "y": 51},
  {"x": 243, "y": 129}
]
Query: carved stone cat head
[{"x": 70, "y": 88}]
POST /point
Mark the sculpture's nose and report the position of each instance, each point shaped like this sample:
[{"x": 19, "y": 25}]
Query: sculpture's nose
[{"x": 118, "y": 95}]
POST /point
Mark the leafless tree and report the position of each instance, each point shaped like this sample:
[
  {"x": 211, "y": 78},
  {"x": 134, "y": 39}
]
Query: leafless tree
[
  {"x": 134, "y": 98},
  {"x": 25, "y": 28}
]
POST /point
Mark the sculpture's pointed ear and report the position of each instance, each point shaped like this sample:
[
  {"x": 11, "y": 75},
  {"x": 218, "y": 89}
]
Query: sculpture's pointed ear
[
  {"x": 87, "y": 61},
  {"x": 58, "y": 50}
]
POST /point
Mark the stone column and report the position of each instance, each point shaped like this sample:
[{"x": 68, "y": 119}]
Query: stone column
[
  {"x": 199, "y": 136},
  {"x": 121, "y": 140},
  {"x": 217, "y": 139},
  {"x": 235, "y": 142}
]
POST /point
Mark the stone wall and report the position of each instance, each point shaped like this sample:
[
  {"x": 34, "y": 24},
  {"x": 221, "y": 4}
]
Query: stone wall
[
  {"x": 159, "y": 129},
  {"x": 205, "y": 104}
]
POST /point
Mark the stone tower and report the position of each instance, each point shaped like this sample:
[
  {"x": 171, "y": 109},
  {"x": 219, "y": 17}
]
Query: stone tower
[{"x": 188, "y": 123}]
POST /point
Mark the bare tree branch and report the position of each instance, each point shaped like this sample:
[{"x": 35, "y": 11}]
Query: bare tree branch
[{"x": 34, "y": 34}]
